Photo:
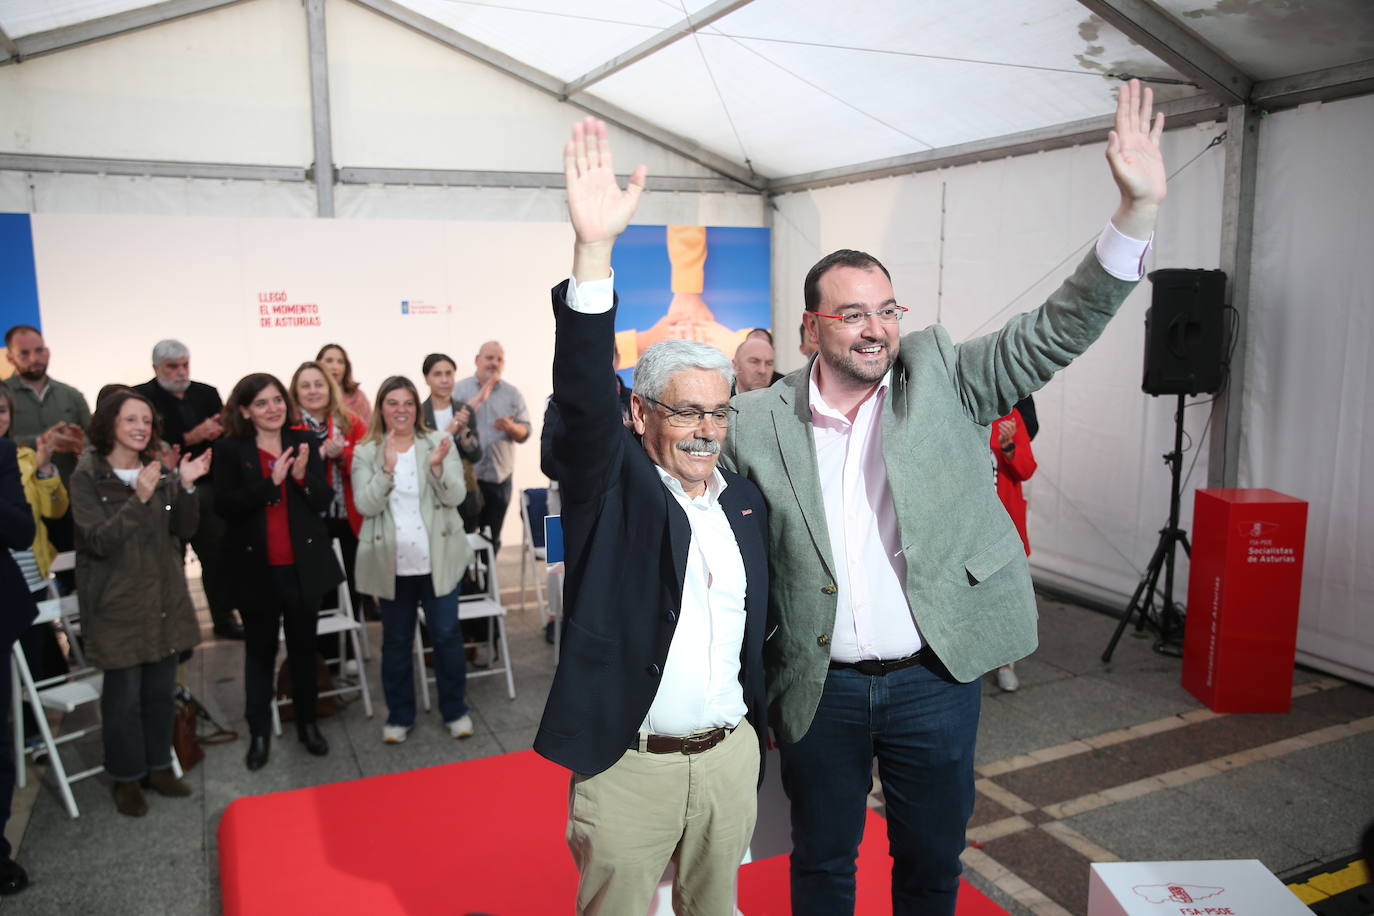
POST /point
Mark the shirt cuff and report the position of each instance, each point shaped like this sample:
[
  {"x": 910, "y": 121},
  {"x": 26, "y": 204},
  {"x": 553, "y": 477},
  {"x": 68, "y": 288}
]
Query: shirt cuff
[
  {"x": 1120, "y": 255},
  {"x": 594, "y": 297}
]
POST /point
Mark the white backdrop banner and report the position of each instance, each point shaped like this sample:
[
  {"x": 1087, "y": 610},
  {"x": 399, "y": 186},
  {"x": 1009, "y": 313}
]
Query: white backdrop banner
[{"x": 252, "y": 295}]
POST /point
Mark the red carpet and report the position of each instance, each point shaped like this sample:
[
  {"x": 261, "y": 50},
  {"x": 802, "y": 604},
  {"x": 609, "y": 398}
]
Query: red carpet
[{"x": 480, "y": 837}]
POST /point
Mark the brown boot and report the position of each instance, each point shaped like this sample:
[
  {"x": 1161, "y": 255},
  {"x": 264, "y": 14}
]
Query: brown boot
[
  {"x": 164, "y": 782},
  {"x": 129, "y": 799}
]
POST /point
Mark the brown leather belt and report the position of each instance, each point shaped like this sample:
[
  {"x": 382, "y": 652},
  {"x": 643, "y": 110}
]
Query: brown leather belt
[
  {"x": 874, "y": 667},
  {"x": 688, "y": 744}
]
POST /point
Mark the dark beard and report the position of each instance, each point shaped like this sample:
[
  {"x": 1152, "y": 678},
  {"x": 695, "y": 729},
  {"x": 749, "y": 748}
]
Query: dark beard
[{"x": 33, "y": 375}]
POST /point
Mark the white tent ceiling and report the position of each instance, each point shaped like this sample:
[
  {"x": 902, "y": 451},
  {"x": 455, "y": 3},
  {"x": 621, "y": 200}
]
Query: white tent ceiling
[{"x": 779, "y": 95}]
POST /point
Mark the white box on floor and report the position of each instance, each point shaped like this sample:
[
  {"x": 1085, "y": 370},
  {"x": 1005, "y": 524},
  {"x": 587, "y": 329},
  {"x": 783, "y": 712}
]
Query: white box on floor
[{"x": 1240, "y": 887}]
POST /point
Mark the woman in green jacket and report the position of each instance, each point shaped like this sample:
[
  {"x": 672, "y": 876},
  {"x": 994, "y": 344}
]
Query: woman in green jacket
[
  {"x": 408, "y": 484},
  {"x": 136, "y": 614}
]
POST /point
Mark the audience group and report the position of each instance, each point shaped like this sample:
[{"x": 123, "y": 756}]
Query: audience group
[{"x": 261, "y": 487}]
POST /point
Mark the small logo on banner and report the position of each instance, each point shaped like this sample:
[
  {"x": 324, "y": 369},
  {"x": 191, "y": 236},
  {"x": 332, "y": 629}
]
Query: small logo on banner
[
  {"x": 405, "y": 307},
  {"x": 1178, "y": 893}
]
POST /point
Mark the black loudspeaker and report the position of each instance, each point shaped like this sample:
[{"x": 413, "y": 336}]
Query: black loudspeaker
[{"x": 1185, "y": 332}]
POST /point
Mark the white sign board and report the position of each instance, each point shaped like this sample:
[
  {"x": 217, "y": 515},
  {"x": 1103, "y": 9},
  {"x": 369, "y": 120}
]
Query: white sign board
[{"x": 1242, "y": 887}]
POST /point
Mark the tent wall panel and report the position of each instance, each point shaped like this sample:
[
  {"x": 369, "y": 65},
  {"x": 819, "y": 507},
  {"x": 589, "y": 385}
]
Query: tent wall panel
[
  {"x": 231, "y": 85},
  {"x": 1309, "y": 417}
]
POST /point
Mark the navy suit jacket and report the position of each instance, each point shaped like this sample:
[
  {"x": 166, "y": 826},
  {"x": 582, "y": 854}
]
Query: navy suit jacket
[
  {"x": 17, "y": 609},
  {"x": 626, "y": 541}
]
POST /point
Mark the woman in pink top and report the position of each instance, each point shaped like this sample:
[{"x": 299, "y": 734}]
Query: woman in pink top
[{"x": 335, "y": 358}]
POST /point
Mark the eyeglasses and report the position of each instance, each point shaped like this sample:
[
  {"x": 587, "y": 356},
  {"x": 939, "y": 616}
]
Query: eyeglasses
[
  {"x": 887, "y": 315},
  {"x": 685, "y": 417}
]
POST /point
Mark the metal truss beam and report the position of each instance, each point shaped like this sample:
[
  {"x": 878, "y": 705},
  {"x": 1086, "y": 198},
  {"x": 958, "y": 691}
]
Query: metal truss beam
[
  {"x": 1180, "y": 113},
  {"x": 1237, "y": 234},
  {"x": 8, "y": 46},
  {"x": 323, "y": 169},
  {"x": 81, "y": 33},
  {"x": 1161, "y": 35},
  {"x": 1316, "y": 86},
  {"x": 668, "y": 36},
  {"x": 459, "y": 178},
  {"x": 554, "y": 87},
  {"x": 148, "y": 168}
]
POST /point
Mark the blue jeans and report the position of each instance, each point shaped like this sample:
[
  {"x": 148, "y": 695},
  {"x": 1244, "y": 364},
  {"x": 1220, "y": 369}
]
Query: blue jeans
[
  {"x": 398, "y": 645},
  {"x": 921, "y": 725}
]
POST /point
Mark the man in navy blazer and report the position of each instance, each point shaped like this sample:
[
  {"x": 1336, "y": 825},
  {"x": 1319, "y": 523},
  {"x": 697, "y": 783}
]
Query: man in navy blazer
[
  {"x": 658, "y": 702},
  {"x": 17, "y": 611}
]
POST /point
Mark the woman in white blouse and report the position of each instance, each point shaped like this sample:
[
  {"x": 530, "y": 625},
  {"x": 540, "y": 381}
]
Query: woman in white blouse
[{"x": 412, "y": 551}]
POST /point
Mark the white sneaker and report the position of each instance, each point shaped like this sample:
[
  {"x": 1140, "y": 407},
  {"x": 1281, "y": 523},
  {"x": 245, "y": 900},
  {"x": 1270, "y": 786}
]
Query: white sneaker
[
  {"x": 394, "y": 734},
  {"x": 1006, "y": 678},
  {"x": 460, "y": 728}
]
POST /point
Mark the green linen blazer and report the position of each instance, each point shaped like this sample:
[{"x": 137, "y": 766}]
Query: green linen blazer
[
  {"x": 449, "y": 552},
  {"x": 968, "y": 583}
]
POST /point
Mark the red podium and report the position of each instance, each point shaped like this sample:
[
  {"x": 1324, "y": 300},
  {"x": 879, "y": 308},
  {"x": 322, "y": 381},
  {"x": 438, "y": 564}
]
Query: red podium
[{"x": 1244, "y": 584}]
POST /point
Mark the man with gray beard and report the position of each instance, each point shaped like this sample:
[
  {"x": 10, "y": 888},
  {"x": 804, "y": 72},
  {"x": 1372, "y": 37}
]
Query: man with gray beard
[{"x": 190, "y": 414}]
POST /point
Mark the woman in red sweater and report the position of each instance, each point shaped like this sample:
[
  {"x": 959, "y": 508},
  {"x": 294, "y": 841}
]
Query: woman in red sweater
[{"x": 1012, "y": 463}]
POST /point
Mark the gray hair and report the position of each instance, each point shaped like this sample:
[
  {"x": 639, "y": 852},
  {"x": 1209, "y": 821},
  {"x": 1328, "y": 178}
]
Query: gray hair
[
  {"x": 663, "y": 360},
  {"x": 167, "y": 349}
]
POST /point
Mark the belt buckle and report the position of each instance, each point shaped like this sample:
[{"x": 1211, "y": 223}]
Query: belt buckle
[{"x": 698, "y": 743}]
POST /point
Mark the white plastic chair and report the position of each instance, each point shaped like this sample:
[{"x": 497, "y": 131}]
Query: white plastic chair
[
  {"x": 484, "y": 603},
  {"x": 341, "y": 622},
  {"x": 64, "y": 693}
]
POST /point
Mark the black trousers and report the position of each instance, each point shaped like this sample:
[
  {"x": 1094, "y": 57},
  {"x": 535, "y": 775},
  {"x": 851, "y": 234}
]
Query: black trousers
[
  {"x": 297, "y": 615},
  {"x": 496, "y": 500},
  {"x": 215, "y": 576}
]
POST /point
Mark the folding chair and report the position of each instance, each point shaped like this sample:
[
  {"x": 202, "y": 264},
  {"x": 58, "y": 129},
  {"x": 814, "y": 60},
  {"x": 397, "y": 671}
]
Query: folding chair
[
  {"x": 341, "y": 622},
  {"x": 483, "y": 603},
  {"x": 534, "y": 504},
  {"x": 63, "y": 693}
]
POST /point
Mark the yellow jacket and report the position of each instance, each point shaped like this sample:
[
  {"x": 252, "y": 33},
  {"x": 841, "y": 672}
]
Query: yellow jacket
[{"x": 47, "y": 498}]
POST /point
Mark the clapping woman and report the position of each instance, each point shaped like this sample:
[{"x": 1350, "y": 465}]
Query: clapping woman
[
  {"x": 408, "y": 484},
  {"x": 336, "y": 431},
  {"x": 136, "y": 614},
  {"x": 270, "y": 488}
]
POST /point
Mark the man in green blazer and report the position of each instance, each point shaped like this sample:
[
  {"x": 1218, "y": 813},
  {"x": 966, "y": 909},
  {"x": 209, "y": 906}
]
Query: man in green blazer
[{"x": 897, "y": 578}]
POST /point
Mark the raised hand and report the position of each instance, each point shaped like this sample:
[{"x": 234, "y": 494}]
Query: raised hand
[
  {"x": 170, "y": 455},
  {"x": 282, "y": 466},
  {"x": 193, "y": 469},
  {"x": 146, "y": 481},
  {"x": 436, "y": 457},
  {"x": 42, "y": 451},
  {"x": 389, "y": 452},
  {"x": 1006, "y": 433},
  {"x": 333, "y": 446},
  {"x": 1135, "y": 159},
  {"x": 598, "y": 207},
  {"x": 298, "y": 465}
]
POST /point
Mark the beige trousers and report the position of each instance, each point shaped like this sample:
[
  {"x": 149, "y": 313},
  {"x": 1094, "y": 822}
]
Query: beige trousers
[{"x": 695, "y": 810}]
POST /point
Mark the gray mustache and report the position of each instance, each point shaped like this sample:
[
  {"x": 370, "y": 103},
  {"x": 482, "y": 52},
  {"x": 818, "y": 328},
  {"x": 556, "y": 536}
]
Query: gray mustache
[{"x": 710, "y": 446}]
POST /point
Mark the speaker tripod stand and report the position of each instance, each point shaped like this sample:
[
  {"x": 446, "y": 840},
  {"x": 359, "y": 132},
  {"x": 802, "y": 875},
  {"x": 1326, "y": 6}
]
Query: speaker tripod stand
[{"x": 1167, "y": 622}]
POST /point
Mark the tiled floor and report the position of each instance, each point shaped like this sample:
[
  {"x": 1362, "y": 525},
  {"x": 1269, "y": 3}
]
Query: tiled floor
[{"x": 1086, "y": 762}]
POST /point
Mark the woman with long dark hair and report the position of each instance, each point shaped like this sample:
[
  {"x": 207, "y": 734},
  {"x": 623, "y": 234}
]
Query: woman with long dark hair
[
  {"x": 408, "y": 484},
  {"x": 131, "y": 517},
  {"x": 335, "y": 360},
  {"x": 270, "y": 488},
  {"x": 454, "y": 418}
]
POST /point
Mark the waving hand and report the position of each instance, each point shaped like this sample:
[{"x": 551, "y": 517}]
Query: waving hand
[{"x": 597, "y": 206}]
